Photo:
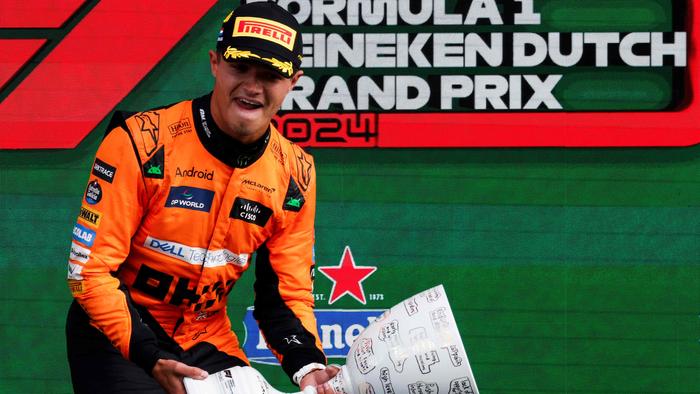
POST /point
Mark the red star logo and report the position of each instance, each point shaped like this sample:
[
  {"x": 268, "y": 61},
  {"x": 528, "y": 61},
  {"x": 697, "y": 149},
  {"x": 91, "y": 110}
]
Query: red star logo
[{"x": 347, "y": 278}]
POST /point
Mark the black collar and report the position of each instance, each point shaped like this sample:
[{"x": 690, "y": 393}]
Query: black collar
[{"x": 218, "y": 143}]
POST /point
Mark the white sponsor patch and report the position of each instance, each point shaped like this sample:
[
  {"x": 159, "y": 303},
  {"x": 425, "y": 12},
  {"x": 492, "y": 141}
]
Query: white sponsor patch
[
  {"x": 196, "y": 256},
  {"x": 74, "y": 271},
  {"x": 79, "y": 253}
]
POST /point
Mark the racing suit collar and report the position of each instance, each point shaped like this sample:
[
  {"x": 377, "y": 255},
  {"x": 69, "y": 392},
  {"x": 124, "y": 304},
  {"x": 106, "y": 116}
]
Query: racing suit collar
[{"x": 218, "y": 143}]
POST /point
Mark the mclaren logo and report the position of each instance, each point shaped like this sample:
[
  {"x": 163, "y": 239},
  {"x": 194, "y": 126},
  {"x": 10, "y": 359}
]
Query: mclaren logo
[{"x": 265, "y": 29}]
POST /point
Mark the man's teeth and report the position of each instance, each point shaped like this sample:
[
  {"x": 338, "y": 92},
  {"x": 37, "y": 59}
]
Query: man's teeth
[{"x": 248, "y": 102}]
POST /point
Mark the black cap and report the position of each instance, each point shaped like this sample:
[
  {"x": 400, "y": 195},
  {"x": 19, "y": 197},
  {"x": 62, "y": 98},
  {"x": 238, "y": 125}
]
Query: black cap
[{"x": 262, "y": 32}]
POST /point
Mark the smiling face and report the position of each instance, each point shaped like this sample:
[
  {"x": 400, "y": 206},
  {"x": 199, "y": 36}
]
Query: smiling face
[{"x": 246, "y": 96}]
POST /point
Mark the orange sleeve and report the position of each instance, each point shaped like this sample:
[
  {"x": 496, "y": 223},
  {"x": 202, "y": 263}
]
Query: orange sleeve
[
  {"x": 111, "y": 210},
  {"x": 283, "y": 288}
]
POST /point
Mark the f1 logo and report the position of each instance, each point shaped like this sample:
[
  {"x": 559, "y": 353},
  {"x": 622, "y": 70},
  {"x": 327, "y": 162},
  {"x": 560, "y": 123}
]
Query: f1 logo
[{"x": 98, "y": 62}]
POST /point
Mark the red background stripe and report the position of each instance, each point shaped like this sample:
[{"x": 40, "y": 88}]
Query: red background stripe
[
  {"x": 36, "y": 13},
  {"x": 14, "y": 54},
  {"x": 95, "y": 66}
]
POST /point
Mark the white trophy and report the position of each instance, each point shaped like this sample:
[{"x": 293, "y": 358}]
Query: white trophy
[{"x": 412, "y": 348}]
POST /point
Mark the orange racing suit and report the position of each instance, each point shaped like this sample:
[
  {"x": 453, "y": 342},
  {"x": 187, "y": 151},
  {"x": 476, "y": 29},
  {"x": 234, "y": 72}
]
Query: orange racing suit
[{"x": 173, "y": 211}]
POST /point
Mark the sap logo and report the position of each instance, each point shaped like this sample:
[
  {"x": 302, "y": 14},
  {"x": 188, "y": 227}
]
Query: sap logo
[
  {"x": 190, "y": 198},
  {"x": 337, "y": 328},
  {"x": 83, "y": 234}
]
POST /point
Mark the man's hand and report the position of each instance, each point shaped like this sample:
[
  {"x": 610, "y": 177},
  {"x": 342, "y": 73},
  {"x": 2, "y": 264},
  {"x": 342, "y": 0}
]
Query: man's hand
[
  {"x": 169, "y": 374},
  {"x": 319, "y": 379}
]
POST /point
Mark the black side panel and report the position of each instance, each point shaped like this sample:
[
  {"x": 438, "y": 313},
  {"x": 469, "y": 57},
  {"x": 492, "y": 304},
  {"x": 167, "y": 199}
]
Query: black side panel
[
  {"x": 148, "y": 341},
  {"x": 282, "y": 329}
]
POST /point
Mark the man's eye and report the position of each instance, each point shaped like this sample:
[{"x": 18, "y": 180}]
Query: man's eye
[
  {"x": 239, "y": 67},
  {"x": 271, "y": 76}
]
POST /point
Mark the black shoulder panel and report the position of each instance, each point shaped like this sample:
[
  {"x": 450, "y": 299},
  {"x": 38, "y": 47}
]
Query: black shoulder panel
[
  {"x": 118, "y": 120},
  {"x": 119, "y": 117}
]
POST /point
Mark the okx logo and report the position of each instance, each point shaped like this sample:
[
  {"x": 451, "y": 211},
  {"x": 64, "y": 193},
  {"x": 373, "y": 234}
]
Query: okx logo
[{"x": 79, "y": 35}]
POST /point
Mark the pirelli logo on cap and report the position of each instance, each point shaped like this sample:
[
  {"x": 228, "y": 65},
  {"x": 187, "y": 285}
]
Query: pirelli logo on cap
[{"x": 265, "y": 29}]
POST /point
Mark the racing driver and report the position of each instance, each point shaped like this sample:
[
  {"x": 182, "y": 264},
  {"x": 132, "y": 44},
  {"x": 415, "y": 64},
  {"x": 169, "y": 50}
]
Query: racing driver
[{"x": 177, "y": 201}]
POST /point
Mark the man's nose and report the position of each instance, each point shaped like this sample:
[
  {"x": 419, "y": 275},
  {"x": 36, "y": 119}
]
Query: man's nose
[{"x": 252, "y": 82}]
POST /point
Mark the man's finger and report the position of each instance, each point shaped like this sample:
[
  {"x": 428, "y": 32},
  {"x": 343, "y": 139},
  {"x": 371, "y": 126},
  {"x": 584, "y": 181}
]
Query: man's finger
[
  {"x": 332, "y": 370},
  {"x": 190, "y": 372},
  {"x": 324, "y": 389}
]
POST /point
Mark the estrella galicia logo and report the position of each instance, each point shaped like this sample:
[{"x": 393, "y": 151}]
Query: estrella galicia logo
[
  {"x": 93, "y": 192},
  {"x": 103, "y": 170},
  {"x": 190, "y": 198},
  {"x": 250, "y": 211},
  {"x": 83, "y": 235},
  {"x": 337, "y": 328}
]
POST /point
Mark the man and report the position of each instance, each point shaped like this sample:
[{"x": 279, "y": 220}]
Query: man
[{"x": 178, "y": 200}]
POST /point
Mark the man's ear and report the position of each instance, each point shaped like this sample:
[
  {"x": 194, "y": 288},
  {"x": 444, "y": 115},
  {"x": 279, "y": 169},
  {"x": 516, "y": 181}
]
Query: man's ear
[
  {"x": 213, "y": 62},
  {"x": 295, "y": 79}
]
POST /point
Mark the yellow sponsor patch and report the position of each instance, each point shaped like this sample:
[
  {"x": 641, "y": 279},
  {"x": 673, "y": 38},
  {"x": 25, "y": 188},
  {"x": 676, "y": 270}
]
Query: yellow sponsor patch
[
  {"x": 75, "y": 286},
  {"x": 284, "y": 67},
  {"x": 90, "y": 216},
  {"x": 265, "y": 29},
  {"x": 233, "y": 53}
]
